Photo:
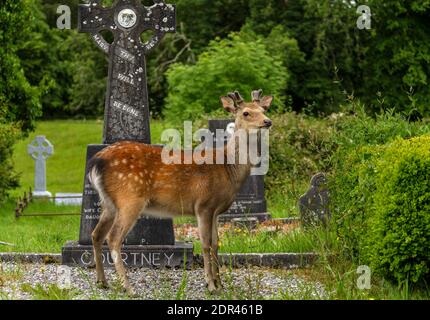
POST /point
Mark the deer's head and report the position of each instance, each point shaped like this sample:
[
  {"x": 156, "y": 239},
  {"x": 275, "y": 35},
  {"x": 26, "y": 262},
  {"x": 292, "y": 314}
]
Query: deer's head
[{"x": 249, "y": 115}]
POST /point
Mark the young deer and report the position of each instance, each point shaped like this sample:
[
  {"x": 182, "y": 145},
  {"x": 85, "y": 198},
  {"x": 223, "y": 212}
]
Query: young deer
[{"x": 132, "y": 179}]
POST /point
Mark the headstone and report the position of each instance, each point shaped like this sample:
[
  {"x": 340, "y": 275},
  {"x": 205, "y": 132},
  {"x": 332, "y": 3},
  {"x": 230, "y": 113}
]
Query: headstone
[
  {"x": 151, "y": 242},
  {"x": 40, "y": 150},
  {"x": 250, "y": 201},
  {"x": 314, "y": 204},
  {"x": 69, "y": 199}
]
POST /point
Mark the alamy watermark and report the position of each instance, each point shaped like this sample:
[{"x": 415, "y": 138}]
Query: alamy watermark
[
  {"x": 64, "y": 277},
  {"x": 64, "y": 21},
  {"x": 364, "y": 280},
  {"x": 364, "y": 21}
]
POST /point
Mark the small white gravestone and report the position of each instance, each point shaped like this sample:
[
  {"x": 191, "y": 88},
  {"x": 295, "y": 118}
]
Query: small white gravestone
[
  {"x": 70, "y": 199},
  {"x": 40, "y": 150}
]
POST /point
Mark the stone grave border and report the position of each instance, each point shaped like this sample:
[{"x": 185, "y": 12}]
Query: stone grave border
[{"x": 235, "y": 260}]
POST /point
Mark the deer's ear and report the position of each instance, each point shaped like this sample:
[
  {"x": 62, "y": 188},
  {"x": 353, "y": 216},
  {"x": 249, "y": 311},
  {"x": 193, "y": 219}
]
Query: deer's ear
[
  {"x": 228, "y": 104},
  {"x": 266, "y": 101}
]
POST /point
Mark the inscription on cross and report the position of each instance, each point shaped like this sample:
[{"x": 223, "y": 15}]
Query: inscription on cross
[
  {"x": 126, "y": 106},
  {"x": 40, "y": 149}
]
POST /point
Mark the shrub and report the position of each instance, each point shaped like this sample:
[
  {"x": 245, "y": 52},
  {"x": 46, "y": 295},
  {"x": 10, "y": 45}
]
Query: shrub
[
  {"x": 235, "y": 63},
  {"x": 8, "y": 179},
  {"x": 300, "y": 147},
  {"x": 399, "y": 245},
  {"x": 381, "y": 200}
]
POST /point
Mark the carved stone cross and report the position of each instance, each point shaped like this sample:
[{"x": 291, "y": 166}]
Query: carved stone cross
[
  {"x": 40, "y": 150},
  {"x": 126, "y": 106}
]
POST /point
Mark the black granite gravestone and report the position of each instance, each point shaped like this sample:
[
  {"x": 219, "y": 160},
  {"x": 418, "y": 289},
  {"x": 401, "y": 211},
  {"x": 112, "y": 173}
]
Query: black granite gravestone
[
  {"x": 126, "y": 118},
  {"x": 250, "y": 201}
]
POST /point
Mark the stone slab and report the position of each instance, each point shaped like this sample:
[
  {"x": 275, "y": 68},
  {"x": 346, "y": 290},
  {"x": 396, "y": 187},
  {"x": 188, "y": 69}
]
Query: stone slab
[
  {"x": 250, "y": 201},
  {"x": 134, "y": 256},
  {"x": 71, "y": 199},
  {"x": 235, "y": 260}
]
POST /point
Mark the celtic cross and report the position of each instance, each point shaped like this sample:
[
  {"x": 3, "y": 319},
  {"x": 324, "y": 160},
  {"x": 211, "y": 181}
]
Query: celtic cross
[{"x": 126, "y": 105}]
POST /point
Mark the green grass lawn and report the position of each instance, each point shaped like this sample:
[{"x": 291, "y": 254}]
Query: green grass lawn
[{"x": 65, "y": 173}]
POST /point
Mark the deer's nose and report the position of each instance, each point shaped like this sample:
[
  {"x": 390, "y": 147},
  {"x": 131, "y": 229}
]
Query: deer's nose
[{"x": 267, "y": 123}]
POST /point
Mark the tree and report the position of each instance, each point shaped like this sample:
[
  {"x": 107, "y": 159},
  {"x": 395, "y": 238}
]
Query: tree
[
  {"x": 235, "y": 63},
  {"x": 19, "y": 99}
]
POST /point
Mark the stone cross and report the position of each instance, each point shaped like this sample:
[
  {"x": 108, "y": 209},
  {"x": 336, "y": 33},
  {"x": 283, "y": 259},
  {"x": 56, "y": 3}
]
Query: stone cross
[
  {"x": 40, "y": 150},
  {"x": 126, "y": 105},
  {"x": 151, "y": 242}
]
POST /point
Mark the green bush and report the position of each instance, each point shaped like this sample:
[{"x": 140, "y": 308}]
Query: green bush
[
  {"x": 300, "y": 147},
  {"x": 235, "y": 63},
  {"x": 8, "y": 179},
  {"x": 303, "y": 145},
  {"x": 381, "y": 200},
  {"x": 399, "y": 245}
]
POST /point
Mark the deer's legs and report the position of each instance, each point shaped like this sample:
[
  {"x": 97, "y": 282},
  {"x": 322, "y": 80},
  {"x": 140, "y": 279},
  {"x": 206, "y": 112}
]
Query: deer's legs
[
  {"x": 205, "y": 233},
  {"x": 214, "y": 253},
  {"x": 98, "y": 236},
  {"x": 125, "y": 220}
]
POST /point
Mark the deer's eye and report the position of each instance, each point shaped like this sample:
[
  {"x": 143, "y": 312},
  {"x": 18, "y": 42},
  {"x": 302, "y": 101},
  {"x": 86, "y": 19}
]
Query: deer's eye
[{"x": 245, "y": 114}]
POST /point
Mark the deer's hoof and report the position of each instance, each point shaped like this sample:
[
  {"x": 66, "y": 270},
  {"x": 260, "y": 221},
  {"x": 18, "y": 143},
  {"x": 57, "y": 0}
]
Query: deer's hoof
[
  {"x": 218, "y": 285},
  {"x": 213, "y": 289},
  {"x": 102, "y": 284}
]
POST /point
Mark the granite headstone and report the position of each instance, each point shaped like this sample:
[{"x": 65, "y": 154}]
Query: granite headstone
[
  {"x": 151, "y": 242},
  {"x": 250, "y": 201}
]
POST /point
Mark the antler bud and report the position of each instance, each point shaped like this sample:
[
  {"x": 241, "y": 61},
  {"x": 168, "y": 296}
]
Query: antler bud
[
  {"x": 256, "y": 95},
  {"x": 236, "y": 97}
]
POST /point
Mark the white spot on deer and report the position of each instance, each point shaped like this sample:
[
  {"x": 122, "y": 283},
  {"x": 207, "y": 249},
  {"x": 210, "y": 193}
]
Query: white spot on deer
[
  {"x": 124, "y": 161},
  {"x": 130, "y": 175},
  {"x": 131, "y": 166},
  {"x": 141, "y": 174},
  {"x": 136, "y": 178},
  {"x": 120, "y": 175}
]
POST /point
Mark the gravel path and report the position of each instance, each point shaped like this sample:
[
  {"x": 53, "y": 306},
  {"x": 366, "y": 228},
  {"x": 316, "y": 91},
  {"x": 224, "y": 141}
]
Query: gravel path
[{"x": 32, "y": 281}]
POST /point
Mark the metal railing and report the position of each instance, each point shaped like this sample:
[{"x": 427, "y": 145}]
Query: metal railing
[{"x": 22, "y": 204}]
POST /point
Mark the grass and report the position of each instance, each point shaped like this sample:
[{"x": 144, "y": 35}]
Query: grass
[{"x": 272, "y": 241}]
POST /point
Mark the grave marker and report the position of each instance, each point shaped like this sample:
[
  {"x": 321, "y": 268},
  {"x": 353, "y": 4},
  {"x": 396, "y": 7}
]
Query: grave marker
[
  {"x": 250, "y": 201},
  {"x": 127, "y": 118},
  {"x": 314, "y": 204},
  {"x": 40, "y": 150}
]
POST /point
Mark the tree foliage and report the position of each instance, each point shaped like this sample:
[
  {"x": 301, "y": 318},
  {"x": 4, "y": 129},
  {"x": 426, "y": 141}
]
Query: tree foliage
[
  {"x": 327, "y": 56},
  {"x": 235, "y": 63}
]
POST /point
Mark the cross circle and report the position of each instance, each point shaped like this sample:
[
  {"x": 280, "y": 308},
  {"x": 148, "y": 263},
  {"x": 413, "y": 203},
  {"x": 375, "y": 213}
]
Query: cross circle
[{"x": 40, "y": 148}]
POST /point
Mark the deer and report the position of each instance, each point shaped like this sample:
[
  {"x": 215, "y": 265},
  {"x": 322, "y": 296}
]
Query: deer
[{"x": 131, "y": 180}]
